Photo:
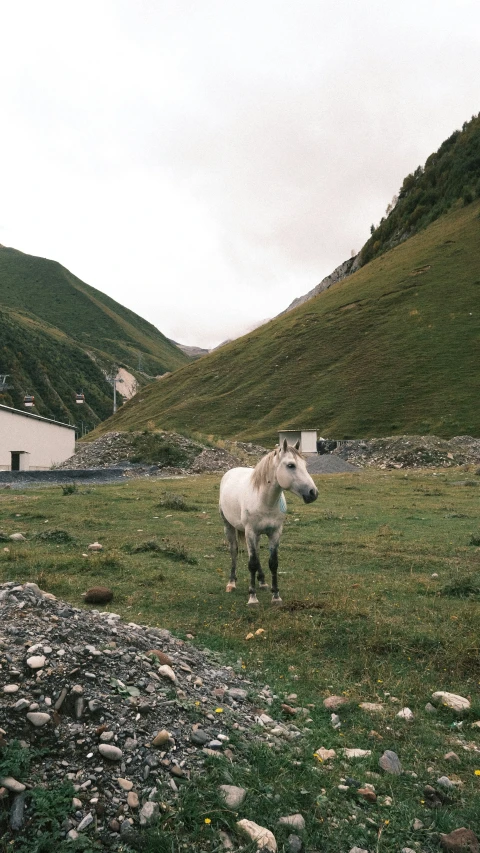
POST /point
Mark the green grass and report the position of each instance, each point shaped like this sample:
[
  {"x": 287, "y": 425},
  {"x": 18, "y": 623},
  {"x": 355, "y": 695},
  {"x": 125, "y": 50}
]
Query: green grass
[
  {"x": 364, "y": 616},
  {"x": 58, "y": 333},
  {"x": 393, "y": 349}
]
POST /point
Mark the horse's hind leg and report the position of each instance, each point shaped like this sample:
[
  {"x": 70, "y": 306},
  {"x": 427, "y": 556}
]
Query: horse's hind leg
[
  {"x": 231, "y": 535},
  {"x": 273, "y": 542},
  {"x": 253, "y": 564}
]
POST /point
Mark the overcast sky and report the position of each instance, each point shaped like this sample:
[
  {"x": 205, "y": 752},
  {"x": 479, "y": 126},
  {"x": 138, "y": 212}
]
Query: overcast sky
[{"x": 204, "y": 162}]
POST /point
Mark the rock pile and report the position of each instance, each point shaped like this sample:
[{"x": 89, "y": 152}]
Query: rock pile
[
  {"x": 125, "y": 713},
  {"x": 411, "y": 451},
  {"x": 117, "y": 449}
]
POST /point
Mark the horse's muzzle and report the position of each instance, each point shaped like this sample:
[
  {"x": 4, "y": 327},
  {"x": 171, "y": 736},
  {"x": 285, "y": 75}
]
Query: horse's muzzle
[{"x": 311, "y": 497}]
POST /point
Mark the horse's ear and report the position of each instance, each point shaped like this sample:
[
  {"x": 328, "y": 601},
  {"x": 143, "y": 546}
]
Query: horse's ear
[
  {"x": 285, "y": 445},
  {"x": 297, "y": 445}
]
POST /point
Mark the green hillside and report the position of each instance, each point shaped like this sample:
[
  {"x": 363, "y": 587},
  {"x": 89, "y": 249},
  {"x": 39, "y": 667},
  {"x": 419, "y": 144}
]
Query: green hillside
[
  {"x": 394, "y": 348},
  {"x": 59, "y": 335},
  {"x": 450, "y": 174}
]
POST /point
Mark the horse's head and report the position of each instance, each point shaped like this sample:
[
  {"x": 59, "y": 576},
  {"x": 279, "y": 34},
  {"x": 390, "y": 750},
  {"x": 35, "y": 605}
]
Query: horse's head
[{"x": 292, "y": 475}]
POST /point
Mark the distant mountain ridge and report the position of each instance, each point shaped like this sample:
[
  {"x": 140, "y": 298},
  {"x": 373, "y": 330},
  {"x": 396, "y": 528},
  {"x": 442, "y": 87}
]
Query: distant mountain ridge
[
  {"x": 59, "y": 336},
  {"x": 345, "y": 269}
]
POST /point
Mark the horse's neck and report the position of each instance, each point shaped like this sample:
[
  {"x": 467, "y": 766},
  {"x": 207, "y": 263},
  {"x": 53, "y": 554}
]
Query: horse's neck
[{"x": 271, "y": 492}]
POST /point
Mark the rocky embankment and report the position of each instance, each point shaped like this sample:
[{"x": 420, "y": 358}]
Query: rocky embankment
[
  {"x": 121, "y": 713},
  {"x": 411, "y": 451},
  {"x": 122, "y": 449}
]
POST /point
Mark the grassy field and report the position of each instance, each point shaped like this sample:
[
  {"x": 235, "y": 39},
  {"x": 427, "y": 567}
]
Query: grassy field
[
  {"x": 381, "y": 590},
  {"x": 392, "y": 349}
]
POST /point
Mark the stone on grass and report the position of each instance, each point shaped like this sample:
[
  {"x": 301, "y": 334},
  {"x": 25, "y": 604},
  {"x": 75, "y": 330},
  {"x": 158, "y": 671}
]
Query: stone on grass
[
  {"x": 295, "y": 844},
  {"x": 227, "y": 842},
  {"x": 325, "y": 754},
  {"x": 358, "y": 850},
  {"x": 451, "y": 700},
  {"x": 98, "y": 595},
  {"x": 390, "y": 762},
  {"x": 148, "y": 812},
  {"x": 461, "y": 840},
  {"x": 367, "y": 794},
  {"x": 264, "y": 839},
  {"x": 17, "y": 537},
  {"x": 430, "y": 709},
  {"x": 445, "y": 782},
  {"x": 11, "y": 784},
  {"x": 356, "y": 753},
  {"x": 233, "y": 795},
  {"x": 405, "y": 714},
  {"x": 373, "y": 707},
  {"x": 333, "y": 703},
  {"x": 95, "y": 546},
  {"x": 294, "y": 821},
  {"x": 452, "y": 756},
  {"x": 112, "y": 753}
]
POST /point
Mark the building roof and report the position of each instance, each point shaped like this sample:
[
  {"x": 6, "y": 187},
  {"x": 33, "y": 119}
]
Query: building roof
[
  {"x": 300, "y": 429},
  {"x": 35, "y": 417}
]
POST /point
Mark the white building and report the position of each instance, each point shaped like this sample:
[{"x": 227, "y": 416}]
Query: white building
[
  {"x": 306, "y": 437},
  {"x": 31, "y": 443}
]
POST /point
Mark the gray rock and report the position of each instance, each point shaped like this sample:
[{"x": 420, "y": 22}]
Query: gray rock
[
  {"x": 295, "y": 844},
  {"x": 36, "y": 661},
  {"x": 38, "y": 718},
  {"x": 16, "y": 812},
  {"x": 233, "y": 795},
  {"x": 112, "y": 753},
  {"x": 445, "y": 782},
  {"x": 199, "y": 737},
  {"x": 390, "y": 762},
  {"x": 148, "y": 812},
  {"x": 87, "y": 820},
  {"x": 11, "y": 784}
]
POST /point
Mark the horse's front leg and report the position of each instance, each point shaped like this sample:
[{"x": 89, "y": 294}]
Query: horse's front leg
[
  {"x": 254, "y": 567},
  {"x": 273, "y": 543}
]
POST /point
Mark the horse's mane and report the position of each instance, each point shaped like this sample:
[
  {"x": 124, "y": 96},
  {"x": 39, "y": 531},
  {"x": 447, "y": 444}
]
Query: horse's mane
[{"x": 263, "y": 471}]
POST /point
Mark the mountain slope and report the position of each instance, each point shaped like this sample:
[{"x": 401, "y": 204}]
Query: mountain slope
[
  {"x": 59, "y": 335},
  {"x": 394, "y": 348}
]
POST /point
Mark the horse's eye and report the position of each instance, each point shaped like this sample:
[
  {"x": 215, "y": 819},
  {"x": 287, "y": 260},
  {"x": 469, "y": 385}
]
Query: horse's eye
[{"x": 291, "y": 465}]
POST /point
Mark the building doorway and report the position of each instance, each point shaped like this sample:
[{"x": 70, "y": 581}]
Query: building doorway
[{"x": 15, "y": 460}]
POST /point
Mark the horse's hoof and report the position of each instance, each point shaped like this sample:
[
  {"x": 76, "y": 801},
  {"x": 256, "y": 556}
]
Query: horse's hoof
[
  {"x": 231, "y": 587},
  {"x": 253, "y": 601},
  {"x": 263, "y": 586},
  {"x": 276, "y": 599}
]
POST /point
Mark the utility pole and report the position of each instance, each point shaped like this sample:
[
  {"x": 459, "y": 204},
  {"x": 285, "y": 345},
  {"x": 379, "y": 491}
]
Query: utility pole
[{"x": 113, "y": 379}]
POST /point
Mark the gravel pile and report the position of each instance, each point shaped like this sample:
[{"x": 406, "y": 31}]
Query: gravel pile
[
  {"x": 411, "y": 451},
  {"x": 125, "y": 713}
]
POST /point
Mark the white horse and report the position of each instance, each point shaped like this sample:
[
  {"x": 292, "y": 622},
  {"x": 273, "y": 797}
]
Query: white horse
[{"x": 252, "y": 502}]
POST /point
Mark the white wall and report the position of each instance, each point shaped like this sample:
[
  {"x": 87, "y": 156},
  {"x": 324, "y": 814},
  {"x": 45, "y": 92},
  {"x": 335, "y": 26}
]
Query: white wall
[
  {"x": 41, "y": 443},
  {"x": 307, "y": 438}
]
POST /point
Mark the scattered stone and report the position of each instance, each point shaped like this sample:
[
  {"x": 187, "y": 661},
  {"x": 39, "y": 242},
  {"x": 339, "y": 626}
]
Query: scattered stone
[
  {"x": 356, "y": 753},
  {"x": 264, "y": 839},
  {"x": 430, "y": 709},
  {"x": 367, "y": 794},
  {"x": 11, "y": 688},
  {"x": 445, "y": 782},
  {"x": 132, "y": 800},
  {"x": 125, "y": 784},
  {"x": 335, "y": 721},
  {"x": 112, "y": 753},
  {"x": 461, "y": 840},
  {"x": 390, "y": 762},
  {"x": 358, "y": 850},
  {"x": 161, "y": 738},
  {"x": 417, "y": 825},
  {"x": 295, "y": 844},
  {"x": 167, "y": 672},
  {"x": 85, "y": 823},
  {"x": 233, "y": 795},
  {"x": 294, "y": 821},
  {"x": 451, "y": 700},
  {"x": 95, "y": 546},
  {"x": 227, "y": 842},
  {"x": 11, "y": 784},
  {"x": 325, "y": 754},
  {"x": 17, "y": 537},
  {"x": 38, "y": 719},
  {"x": 452, "y": 756},
  {"x": 148, "y": 812},
  {"x": 373, "y": 707},
  {"x": 333, "y": 703},
  {"x": 405, "y": 714},
  {"x": 36, "y": 661},
  {"x": 98, "y": 595},
  {"x": 161, "y": 656}
]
